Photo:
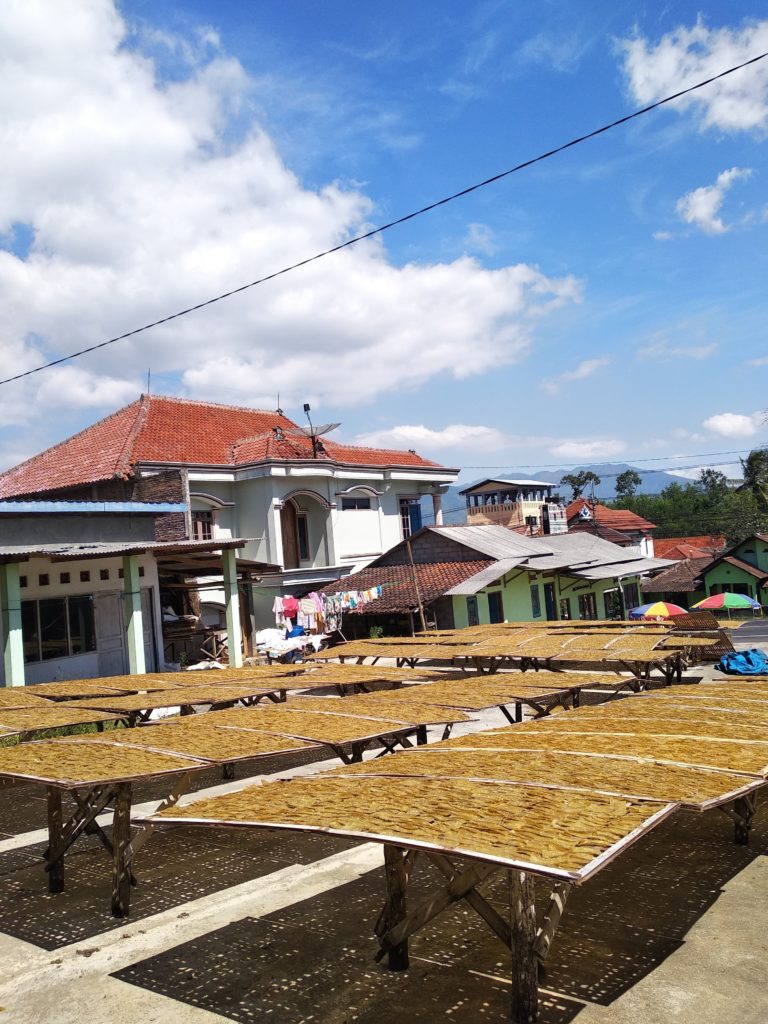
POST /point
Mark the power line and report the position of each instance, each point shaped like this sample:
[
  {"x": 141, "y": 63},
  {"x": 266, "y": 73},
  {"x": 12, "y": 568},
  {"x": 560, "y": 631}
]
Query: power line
[
  {"x": 632, "y": 459},
  {"x": 393, "y": 223}
]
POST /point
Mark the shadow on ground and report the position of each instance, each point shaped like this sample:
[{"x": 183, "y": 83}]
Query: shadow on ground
[{"x": 315, "y": 960}]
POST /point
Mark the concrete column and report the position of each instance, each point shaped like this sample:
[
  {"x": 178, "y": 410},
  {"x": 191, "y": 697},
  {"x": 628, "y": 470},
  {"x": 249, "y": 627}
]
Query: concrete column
[
  {"x": 134, "y": 632},
  {"x": 437, "y": 508},
  {"x": 232, "y": 598},
  {"x": 10, "y": 608}
]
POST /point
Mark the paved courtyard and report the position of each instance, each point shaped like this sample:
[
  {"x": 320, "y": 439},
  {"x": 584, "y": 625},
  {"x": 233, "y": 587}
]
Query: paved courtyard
[{"x": 257, "y": 926}]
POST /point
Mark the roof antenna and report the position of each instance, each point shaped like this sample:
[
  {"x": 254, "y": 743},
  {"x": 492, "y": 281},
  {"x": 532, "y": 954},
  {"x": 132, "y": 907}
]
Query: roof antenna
[
  {"x": 313, "y": 432},
  {"x": 279, "y": 410},
  {"x": 149, "y": 374}
]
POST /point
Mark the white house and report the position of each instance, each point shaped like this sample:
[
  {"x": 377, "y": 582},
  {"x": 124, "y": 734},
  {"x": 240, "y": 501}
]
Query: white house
[{"x": 316, "y": 508}]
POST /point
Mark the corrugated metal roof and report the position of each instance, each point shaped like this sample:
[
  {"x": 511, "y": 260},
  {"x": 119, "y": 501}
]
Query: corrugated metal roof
[
  {"x": 75, "y": 507},
  {"x": 494, "y": 541},
  {"x": 513, "y": 483},
  {"x": 102, "y": 549},
  {"x": 486, "y": 576},
  {"x": 582, "y": 549},
  {"x": 618, "y": 569}
]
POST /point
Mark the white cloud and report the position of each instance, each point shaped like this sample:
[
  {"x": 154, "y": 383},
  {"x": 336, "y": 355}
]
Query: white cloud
[
  {"x": 144, "y": 197},
  {"x": 662, "y": 236},
  {"x": 588, "y": 449},
  {"x": 762, "y": 361},
  {"x": 585, "y": 369},
  {"x": 702, "y": 206},
  {"x": 425, "y": 439},
  {"x": 661, "y": 349},
  {"x": 685, "y": 56},
  {"x": 480, "y": 238},
  {"x": 734, "y": 424},
  {"x": 732, "y": 470}
]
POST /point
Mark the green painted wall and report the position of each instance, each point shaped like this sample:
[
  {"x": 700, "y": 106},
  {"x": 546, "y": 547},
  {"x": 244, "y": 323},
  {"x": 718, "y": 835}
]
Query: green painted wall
[
  {"x": 516, "y": 595},
  {"x": 754, "y": 551},
  {"x": 725, "y": 575}
]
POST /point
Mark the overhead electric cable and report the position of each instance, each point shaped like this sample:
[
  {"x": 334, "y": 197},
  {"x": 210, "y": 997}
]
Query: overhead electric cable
[
  {"x": 393, "y": 223},
  {"x": 628, "y": 459}
]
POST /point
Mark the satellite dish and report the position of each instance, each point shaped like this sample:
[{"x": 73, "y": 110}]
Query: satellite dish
[{"x": 323, "y": 428}]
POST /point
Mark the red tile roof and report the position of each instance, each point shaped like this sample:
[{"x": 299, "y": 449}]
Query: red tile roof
[
  {"x": 617, "y": 518},
  {"x": 683, "y": 578},
  {"x": 398, "y": 592},
  {"x": 688, "y": 547},
  {"x": 177, "y": 431}
]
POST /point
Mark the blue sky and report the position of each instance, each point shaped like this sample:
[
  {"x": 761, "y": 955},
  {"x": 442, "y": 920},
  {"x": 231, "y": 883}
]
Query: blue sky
[{"x": 607, "y": 304}]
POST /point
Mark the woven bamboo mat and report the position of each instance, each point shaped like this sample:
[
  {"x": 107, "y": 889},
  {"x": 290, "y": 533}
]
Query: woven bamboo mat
[
  {"x": 73, "y": 688},
  {"x": 19, "y": 697},
  {"x": 730, "y": 755},
  {"x": 107, "y": 687},
  {"x": 51, "y": 716},
  {"x": 693, "y": 724},
  {"x": 175, "y": 698},
  {"x": 551, "y": 832},
  {"x": 204, "y": 739},
  {"x": 314, "y": 726},
  {"x": 636, "y": 779},
  {"x": 79, "y": 762},
  {"x": 407, "y": 712}
]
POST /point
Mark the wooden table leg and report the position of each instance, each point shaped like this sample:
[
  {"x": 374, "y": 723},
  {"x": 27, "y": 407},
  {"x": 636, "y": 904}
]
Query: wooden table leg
[
  {"x": 525, "y": 982},
  {"x": 121, "y": 841},
  {"x": 55, "y": 829},
  {"x": 397, "y": 881}
]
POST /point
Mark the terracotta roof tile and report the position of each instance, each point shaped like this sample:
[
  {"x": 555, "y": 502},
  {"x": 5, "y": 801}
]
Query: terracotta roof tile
[
  {"x": 177, "y": 431},
  {"x": 616, "y": 518},
  {"x": 688, "y": 547},
  {"x": 682, "y": 578},
  {"x": 398, "y": 592}
]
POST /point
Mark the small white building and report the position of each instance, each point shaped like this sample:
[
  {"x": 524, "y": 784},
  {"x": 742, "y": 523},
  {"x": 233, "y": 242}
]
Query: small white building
[{"x": 81, "y": 588}]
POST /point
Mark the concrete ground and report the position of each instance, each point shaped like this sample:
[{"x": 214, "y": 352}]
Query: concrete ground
[{"x": 255, "y": 926}]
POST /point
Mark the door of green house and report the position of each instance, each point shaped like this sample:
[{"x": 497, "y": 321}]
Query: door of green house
[
  {"x": 549, "y": 602},
  {"x": 495, "y": 607}
]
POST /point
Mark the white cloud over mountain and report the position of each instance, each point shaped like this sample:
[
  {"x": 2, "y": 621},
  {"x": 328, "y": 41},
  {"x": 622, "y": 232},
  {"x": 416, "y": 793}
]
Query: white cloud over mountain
[{"x": 140, "y": 197}]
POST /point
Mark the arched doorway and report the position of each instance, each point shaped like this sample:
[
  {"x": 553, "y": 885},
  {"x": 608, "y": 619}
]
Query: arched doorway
[{"x": 289, "y": 527}]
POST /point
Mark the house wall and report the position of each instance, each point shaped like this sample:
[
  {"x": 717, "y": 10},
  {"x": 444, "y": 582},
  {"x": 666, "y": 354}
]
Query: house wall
[
  {"x": 33, "y": 529},
  {"x": 516, "y": 597},
  {"x": 724, "y": 577},
  {"x": 87, "y": 665},
  {"x": 754, "y": 551}
]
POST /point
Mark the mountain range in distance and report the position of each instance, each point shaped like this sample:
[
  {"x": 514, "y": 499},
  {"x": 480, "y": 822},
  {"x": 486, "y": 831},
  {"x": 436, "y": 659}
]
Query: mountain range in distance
[{"x": 654, "y": 481}]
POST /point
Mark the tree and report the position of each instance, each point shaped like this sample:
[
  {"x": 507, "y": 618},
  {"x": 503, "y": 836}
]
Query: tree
[
  {"x": 755, "y": 468},
  {"x": 627, "y": 483},
  {"x": 713, "y": 483},
  {"x": 578, "y": 482}
]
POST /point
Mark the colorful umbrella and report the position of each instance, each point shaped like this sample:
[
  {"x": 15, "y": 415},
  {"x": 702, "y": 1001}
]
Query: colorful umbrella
[
  {"x": 728, "y": 601},
  {"x": 657, "y": 610}
]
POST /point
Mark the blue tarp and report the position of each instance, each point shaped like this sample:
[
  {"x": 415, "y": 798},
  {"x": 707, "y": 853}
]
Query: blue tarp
[{"x": 744, "y": 663}]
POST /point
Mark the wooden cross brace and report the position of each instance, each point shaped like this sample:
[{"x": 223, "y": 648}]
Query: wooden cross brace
[
  {"x": 741, "y": 812},
  {"x": 529, "y": 944},
  {"x": 90, "y": 804}
]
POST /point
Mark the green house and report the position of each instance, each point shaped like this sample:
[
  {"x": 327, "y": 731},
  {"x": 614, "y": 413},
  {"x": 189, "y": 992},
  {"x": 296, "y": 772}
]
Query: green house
[
  {"x": 473, "y": 575},
  {"x": 742, "y": 569}
]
